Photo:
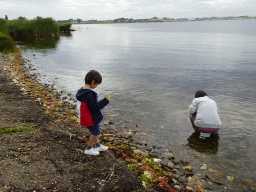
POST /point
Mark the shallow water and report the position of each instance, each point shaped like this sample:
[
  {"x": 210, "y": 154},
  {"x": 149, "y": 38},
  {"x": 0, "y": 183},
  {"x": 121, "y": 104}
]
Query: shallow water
[{"x": 152, "y": 71}]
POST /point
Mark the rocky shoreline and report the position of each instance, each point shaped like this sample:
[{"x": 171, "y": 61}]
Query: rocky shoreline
[{"x": 56, "y": 123}]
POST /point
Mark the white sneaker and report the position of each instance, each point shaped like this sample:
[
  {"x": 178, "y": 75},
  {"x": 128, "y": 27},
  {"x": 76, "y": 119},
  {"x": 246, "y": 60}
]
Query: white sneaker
[
  {"x": 101, "y": 148},
  {"x": 91, "y": 151}
]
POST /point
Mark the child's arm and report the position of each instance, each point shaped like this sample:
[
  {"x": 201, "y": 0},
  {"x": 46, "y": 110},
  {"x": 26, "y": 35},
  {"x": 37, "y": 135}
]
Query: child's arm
[
  {"x": 103, "y": 102},
  {"x": 93, "y": 105}
]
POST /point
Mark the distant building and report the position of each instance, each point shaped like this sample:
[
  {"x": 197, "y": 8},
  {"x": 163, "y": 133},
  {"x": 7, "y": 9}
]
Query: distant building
[{"x": 92, "y": 21}]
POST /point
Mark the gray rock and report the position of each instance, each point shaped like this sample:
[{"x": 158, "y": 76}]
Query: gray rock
[
  {"x": 175, "y": 182},
  {"x": 177, "y": 187},
  {"x": 187, "y": 168},
  {"x": 183, "y": 180},
  {"x": 176, "y": 176},
  {"x": 170, "y": 165}
]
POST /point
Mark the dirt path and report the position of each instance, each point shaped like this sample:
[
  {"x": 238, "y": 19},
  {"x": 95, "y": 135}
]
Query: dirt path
[{"x": 49, "y": 157}]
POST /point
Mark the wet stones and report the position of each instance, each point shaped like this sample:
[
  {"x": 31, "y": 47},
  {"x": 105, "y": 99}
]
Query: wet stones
[
  {"x": 182, "y": 179},
  {"x": 187, "y": 168},
  {"x": 189, "y": 189},
  {"x": 139, "y": 152}
]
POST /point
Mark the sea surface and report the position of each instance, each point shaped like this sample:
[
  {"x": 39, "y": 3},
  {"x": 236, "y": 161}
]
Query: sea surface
[{"x": 152, "y": 71}]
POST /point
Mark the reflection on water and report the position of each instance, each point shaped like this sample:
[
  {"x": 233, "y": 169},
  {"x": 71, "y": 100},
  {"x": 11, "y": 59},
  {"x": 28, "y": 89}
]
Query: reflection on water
[
  {"x": 204, "y": 144},
  {"x": 38, "y": 43}
]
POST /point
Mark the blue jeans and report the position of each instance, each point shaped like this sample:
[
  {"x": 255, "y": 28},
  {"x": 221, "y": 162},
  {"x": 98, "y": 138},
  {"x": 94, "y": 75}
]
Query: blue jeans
[{"x": 94, "y": 130}]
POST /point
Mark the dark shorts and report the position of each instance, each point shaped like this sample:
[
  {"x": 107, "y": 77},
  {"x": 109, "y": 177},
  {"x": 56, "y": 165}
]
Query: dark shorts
[{"x": 94, "y": 130}]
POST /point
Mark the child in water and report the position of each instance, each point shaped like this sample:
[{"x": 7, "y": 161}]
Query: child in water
[
  {"x": 89, "y": 111},
  {"x": 204, "y": 113}
]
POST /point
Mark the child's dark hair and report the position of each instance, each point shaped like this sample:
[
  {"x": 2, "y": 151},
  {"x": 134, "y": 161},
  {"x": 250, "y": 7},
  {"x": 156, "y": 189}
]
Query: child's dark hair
[
  {"x": 93, "y": 75},
  {"x": 200, "y": 93}
]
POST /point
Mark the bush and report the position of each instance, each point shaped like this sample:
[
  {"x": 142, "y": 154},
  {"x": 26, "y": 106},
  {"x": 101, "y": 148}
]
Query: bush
[
  {"x": 65, "y": 27},
  {"x": 6, "y": 43},
  {"x": 21, "y": 28},
  {"x": 3, "y": 26}
]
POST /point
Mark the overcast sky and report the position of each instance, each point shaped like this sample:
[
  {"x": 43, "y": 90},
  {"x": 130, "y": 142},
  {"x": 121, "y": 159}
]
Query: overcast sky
[{"x": 112, "y": 9}]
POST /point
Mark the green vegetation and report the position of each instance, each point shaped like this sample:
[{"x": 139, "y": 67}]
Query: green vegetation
[
  {"x": 6, "y": 43},
  {"x": 21, "y": 28},
  {"x": 15, "y": 129},
  {"x": 65, "y": 27},
  {"x": 3, "y": 26}
]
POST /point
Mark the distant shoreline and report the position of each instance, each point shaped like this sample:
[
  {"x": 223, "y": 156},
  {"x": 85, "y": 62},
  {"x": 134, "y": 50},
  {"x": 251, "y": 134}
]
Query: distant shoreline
[{"x": 123, "y": 20}]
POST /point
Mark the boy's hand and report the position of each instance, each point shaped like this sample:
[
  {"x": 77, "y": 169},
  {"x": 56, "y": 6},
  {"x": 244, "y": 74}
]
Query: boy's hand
[{"x": 108, "y": 97}]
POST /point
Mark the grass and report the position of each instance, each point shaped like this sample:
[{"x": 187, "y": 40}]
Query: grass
[{"x": 14, "y": 129}]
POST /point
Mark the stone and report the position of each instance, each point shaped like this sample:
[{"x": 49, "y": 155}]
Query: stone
[
  {"x": 145, "y": 154},
  {"x": 230, "y": 178},
  {"x": 170, "y": 156},
  {"x": 189, "y": 189},
  {"x": 180, "y": 172},
  {"x": 175, "y": 182},
  {"x": 128, "y": 136},
  {"x": 176, "y": 176},
  {"x": 157, "y": 161},
  {"x": 187, "y": 168},
  {"x": 189, "y": 174},
  {"x": 170, "y": 165},
  {"x": 183, "y": 180},
  {"x": 199, "y": 189},
  {"x": 175, "y": 161},
  {"x": 148, "y": 174},
  {"x": 198, "y": 183},
  {"x": 204, "y": 166},
  {"x": 177, "y": 187},
  {"x": 148, "y": 148},
  {"x": 137, "y": 152}
]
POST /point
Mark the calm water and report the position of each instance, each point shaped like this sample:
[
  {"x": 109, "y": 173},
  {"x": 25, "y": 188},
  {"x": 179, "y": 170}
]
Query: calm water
[{"x": 152, "y": 71}]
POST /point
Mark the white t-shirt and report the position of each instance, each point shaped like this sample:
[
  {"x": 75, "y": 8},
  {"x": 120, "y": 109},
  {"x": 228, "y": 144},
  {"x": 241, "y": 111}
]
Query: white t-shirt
[{"x": 207, "y": 112}]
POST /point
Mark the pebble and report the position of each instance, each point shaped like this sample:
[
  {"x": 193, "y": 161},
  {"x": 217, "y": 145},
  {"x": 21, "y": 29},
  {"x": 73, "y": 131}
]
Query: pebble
[
  {"x": 199, "y": 189},
  {"x": 189, "y": 189},
  {"x": 198, "y": 183},
  {"x": 230, "y": 178},
  {"x": 157, "y": 161},
  {"x": 139, "y": 152},
  {"x": 148, "y": 174},
  {"x": 170, "y": 165},
  {"x": 204, "y": 166},
  {"x": 177, "y": 187},
  {"x": 189, "y": 173},
  {"x": 187, "y": 168},
  {"x": 183, "y": 180},
  {"x": 176, "y": 176},
  {"x": 175, "y": 182}
]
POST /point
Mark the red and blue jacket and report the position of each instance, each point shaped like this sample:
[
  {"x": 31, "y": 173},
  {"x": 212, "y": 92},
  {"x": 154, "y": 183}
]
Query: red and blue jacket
[{"x": 89, "y": 108}]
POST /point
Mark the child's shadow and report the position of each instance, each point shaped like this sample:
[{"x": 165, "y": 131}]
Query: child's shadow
[{"x": 206, "y": 145}]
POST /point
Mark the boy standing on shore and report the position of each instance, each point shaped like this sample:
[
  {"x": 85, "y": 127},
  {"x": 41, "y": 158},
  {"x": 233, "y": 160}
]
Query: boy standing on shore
[{"x": 89, "y": 111}]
